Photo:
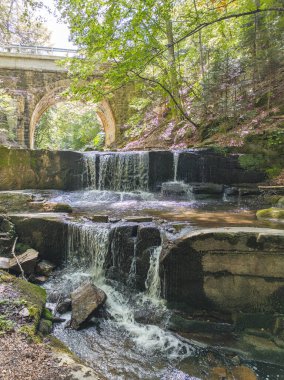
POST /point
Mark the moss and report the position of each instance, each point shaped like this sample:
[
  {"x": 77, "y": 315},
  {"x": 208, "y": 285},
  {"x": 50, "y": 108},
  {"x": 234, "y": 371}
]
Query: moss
[
  {"x": 252, "y": 161},
  {"x": 47, "y": 314},
  {"x": 30, "y": 332},
  {"x": 30, "y": 295},
  {"x": 35, "y": 294},
  {"x": 4, "y": 277},
  {"x": 62, "y": 207},
  {"x": 5, "y": 325},
  {"x": 280, "y": 202},
  {"x": 4, "y": 157},
  {"x": 270, "y": 213},
  {"x": 60, "y": 347},
  {"x": 45, "y": 326},
  {"x": 273, "y": 172},
  {"x": 21, "y": 247}
]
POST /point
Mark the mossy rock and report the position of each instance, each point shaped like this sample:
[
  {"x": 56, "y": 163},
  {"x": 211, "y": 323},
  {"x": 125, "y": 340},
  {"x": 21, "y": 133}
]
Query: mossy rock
[
  {"x": 30, "y": 295},
  {"x": 45, "y": 326},
  {"x": 6, "y": 325},
  {"x": 280, "y": 202},
  {"x": 271, "y": 213}
]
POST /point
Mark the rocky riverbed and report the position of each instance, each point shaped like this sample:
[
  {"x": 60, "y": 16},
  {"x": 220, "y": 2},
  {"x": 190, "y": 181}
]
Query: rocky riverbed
[{"x": 181, "y": 282}]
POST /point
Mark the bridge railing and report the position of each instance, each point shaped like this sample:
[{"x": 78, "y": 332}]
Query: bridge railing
[{"x": 38, "y": 50}]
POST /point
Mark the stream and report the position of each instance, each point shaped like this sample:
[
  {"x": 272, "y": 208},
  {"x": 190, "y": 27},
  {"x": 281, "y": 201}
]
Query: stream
[{"x": 131, "y": 341}]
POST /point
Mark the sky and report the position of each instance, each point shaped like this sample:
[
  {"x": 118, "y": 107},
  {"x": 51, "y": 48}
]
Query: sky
[{"x": 59, "y": 31}]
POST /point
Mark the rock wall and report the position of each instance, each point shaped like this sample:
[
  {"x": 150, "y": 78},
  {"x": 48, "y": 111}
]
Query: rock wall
[
  {"x": 40, "y": 169},
  {"x": 48, "y": 235},
  {"x": 66, "y": 170},
  {"x": 207, "y": 166},
  {"x": 227, "y": 269}
]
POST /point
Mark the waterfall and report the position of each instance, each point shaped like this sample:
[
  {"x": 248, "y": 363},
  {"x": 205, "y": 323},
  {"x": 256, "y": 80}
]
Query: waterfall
[
  {"x": 121, "y": 171},
  {"x": 131, "y": 280},
  {"x": 87, "y": 246},
  {"x": 176, "y": 157},
  {"x": 153, "y": 281},
  {"x": 90, "y": 165}
]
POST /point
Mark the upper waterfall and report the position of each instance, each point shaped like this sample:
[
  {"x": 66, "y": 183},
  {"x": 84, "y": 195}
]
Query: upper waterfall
[{"x": 121, "y": 171}]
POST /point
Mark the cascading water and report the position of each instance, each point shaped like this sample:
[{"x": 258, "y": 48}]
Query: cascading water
[
  {"x": 122, "y": 171},
  {"x": 176, "y": 158},
  {"x": 88, "y": 246},
  {"x": 153, "y": 281}
]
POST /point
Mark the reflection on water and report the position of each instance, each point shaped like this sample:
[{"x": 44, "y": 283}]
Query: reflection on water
[{"x": 198, "y": 213}]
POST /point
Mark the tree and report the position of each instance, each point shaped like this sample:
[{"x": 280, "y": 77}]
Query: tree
[
  {"x": 180, "y": 49},
  {"x": 8, "y": 118},
  {"x": 69, "y": 125},
  {"x": 20, "y": 25}
]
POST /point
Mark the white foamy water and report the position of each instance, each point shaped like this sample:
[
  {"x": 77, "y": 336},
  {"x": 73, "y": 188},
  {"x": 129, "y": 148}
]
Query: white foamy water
[
  {"x": 122, "y": 171},
  {"x": 89, "y": 244},
  {"x": 153, "y": 281}
]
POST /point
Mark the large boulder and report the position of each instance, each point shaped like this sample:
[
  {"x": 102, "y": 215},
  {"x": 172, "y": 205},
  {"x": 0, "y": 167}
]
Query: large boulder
[
  {"x": 26, "y": 262},
  {"x": 45, "y": 268},
  {"x": 85, "y": 301},
  {"x": 47, "y": 234},
  {"x": 228, "y": 269}
]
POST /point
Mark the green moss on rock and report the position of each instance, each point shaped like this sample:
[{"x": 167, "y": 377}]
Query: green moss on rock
[
  {"x": 270, "y": 213},
  {"x": 5, "y": 325},
  {"x": 280, "y": 202},
  {"x": 30, "y": 295},
  {"x": 45, "y": 326}
]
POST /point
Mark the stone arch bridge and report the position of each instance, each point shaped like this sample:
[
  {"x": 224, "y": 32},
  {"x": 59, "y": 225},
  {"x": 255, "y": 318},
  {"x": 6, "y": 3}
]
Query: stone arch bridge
[{"x": 32, "y": 76}]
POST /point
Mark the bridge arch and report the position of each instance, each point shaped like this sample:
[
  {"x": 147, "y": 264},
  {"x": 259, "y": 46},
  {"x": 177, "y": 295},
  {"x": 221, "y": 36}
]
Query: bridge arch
[
  {"x": 33, "y": 77},
  {"x": 53, "y": 95}
]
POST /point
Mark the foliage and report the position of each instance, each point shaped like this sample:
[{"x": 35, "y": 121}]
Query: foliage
[
  {"x": 276, "y": 139},
  {"x": 69, "y": 126},
  {"x": 208, "y": 59},
  {"x": 20, "y": 25},
  {"x": 253, "y": 162},
  {"x": 5, "y": 325},
  {"x": 8, "y": 116}
]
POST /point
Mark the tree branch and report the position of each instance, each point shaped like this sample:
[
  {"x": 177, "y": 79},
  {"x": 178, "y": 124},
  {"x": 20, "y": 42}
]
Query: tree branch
[
  {"x": 235, "y": 15},
  {"x": 204, "y": 25},
  {"x": 169, "y": 93},
  {"x": 15, "y": 256}
]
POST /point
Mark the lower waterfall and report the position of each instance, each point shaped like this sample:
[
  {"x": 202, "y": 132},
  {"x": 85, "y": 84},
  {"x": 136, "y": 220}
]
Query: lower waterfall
[{"x": 87, "y": 249}]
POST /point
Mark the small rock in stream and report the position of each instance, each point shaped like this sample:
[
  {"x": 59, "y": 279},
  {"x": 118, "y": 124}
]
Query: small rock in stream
[
  {"x": 64, "y": 306},
  {"x": 44, "y": 268},
  {"x": 100, "y": 218},
  {"x": 85, "y": 301}
]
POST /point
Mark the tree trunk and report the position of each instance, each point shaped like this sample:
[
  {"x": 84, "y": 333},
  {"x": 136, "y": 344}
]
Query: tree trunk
[{"x": 173, "y": 68}]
